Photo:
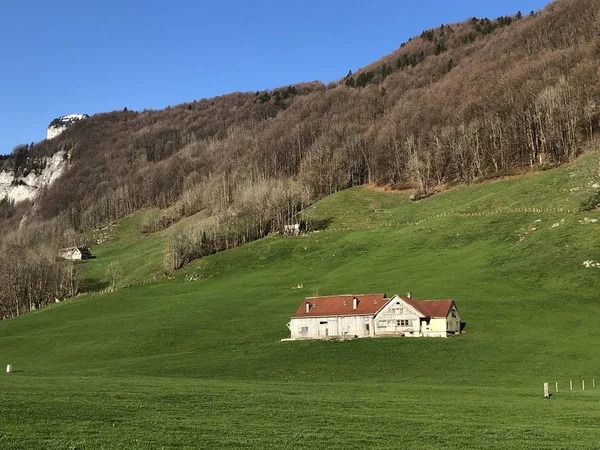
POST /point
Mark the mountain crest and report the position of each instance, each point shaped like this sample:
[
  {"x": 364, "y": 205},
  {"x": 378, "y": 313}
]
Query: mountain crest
[{"x": 60, "y": 124}]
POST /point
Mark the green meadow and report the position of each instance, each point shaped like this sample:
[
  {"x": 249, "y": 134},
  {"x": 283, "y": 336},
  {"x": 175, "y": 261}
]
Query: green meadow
[{"x": 164, "y": 362}]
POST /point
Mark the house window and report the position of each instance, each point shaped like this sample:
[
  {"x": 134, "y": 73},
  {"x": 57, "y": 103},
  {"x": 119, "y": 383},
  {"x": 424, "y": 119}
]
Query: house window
[
  {"x": 367, "y": 328},
  {"x": 403, "y": 323},
  {"x": 397, "y": 310},
  {"x": 304, "y": 330}
]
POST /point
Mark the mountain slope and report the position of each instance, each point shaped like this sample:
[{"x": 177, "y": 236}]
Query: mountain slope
[
  {"x": 200, "y": 363},
  {"x": 470, "y": 101},
  {"x": 459, "y": 102}
]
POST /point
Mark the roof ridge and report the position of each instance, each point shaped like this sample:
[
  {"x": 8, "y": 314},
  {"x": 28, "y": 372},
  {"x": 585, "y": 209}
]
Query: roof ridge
[{"x": 442, "y": 300}]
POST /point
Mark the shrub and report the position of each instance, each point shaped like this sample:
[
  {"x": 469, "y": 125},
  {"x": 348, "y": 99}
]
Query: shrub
[{"x": 591, "y": 203}]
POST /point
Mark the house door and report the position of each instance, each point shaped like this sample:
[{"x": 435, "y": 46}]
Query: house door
[{"x": 323, "y": 329}]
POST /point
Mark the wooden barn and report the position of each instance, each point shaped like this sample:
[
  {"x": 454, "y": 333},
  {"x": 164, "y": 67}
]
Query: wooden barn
[
  {"x": 74, "y": 253},
  {"x": 372, "y": 315}
]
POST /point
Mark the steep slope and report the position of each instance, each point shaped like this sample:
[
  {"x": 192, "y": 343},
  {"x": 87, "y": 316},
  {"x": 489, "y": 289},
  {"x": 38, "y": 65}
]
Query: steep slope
[
  {"x": 469, "y": 101},
  {"x": 19, "y": 184},
  {"x": 456, "y": 103},
  {"x": 200, "y": 363}
]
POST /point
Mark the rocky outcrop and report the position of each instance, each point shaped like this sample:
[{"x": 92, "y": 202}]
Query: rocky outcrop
[
  {"x": 26, "y": 186},
  {"x": 59, "y": 125}
]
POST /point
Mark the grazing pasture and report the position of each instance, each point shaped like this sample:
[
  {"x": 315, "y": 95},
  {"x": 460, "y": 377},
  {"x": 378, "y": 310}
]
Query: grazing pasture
[{"x": 171, "y": 363}]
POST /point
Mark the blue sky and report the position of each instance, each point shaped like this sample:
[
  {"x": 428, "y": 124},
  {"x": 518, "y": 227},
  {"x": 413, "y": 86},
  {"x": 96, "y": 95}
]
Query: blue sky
[{"x": 63, "y": 57}]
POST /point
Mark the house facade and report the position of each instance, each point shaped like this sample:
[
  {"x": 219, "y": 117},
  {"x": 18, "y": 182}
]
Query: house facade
[
  {"x": 74, "y": 253},
  {"x": 372, "y": 315}
]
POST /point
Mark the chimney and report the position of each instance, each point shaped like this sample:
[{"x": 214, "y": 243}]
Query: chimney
[
  {"x": 354, "y": 303},
  {"x": 409, "y": 295},
  {"x": 307, "y": 307}
]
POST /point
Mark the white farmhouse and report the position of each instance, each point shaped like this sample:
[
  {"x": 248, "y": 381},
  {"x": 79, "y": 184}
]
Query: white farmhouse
[
  {"x": 74, "y": 253},
  {"x": 372, "y": 315}
]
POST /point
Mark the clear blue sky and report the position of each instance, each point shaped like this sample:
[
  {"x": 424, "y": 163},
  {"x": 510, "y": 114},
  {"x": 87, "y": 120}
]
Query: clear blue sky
[{"x": 61, "y": 57}]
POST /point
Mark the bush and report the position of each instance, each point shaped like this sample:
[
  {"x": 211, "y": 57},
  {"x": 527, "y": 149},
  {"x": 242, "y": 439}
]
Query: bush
[{"x": 591, "y": 203}]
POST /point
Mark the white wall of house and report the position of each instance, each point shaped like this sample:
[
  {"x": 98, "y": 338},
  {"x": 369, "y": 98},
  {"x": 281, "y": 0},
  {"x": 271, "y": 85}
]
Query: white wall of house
[
  {"x": 332, "y": 326},
  {"x": 398, "y": 318},
  {"x": 436, "y": 328},
  {"x": 70, "y": 254}
]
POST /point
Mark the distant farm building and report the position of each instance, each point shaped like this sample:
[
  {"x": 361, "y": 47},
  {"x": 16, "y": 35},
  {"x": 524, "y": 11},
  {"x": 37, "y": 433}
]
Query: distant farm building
[
  {"x": 294, "y": 229},
  {"x": 74, "y": 253},
  {"x": 372, "y": 315}
]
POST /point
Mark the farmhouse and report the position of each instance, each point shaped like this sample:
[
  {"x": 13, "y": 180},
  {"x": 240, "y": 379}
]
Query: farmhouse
[
  {"x": 372, "y": 315},
  {"x": 294, "y": 229},
  {"x": 74, "y": 253}
]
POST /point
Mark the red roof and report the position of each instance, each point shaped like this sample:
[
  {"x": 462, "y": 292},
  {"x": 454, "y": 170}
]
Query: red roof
[
  {"x": 431, "y": 308},
  {"x": 341, "y": 305}
]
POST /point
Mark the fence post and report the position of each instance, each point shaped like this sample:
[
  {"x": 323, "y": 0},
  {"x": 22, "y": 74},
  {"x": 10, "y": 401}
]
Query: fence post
[
  {"x": 556, "y": 387},
  {"x": 570, "y": 385},
  {"x": 583, "y": 385},
  {"x": 593, "y": 382},
  {"x": 546, "y": 391}
]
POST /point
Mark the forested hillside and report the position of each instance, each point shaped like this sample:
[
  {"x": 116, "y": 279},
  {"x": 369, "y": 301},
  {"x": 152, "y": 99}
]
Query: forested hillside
[{"x": 458, "y": 103}]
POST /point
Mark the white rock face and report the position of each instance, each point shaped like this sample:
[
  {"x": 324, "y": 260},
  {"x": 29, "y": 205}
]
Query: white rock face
[
  {"x": 57, "y": 126},
  {"x": 28, "y": 187}
]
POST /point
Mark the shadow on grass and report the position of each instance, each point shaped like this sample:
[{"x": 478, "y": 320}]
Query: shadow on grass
[
  {"x": 317, "y": 224},
  {"x": 94, "y": 285}
]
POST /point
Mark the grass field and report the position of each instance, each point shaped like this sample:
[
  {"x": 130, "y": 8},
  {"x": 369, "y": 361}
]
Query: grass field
[{"x": 170, "y": 363}]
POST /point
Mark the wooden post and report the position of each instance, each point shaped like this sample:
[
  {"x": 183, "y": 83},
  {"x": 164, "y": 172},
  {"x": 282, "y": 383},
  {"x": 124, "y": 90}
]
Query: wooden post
[
  {"x": 9, "y": 368},
  {"x": 593, "y": 382},
  {"x": 546, "y": 391},
  {"x": 556, "y": 387},
  {"x": 583, "y": 385},
  {"x": 570, "y": 385}
]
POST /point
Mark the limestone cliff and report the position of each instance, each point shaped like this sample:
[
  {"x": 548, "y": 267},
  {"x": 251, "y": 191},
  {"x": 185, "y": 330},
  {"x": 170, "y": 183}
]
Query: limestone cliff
[{"x": 57, "y": 126}]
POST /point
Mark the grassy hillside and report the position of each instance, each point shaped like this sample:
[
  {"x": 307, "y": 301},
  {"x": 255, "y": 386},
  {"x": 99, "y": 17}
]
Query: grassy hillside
[{"x": 200, "y": 364}]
